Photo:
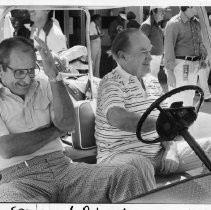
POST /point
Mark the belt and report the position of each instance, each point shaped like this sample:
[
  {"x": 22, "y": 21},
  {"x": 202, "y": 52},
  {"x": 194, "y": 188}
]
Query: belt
[{"x": 189, "y": 58}]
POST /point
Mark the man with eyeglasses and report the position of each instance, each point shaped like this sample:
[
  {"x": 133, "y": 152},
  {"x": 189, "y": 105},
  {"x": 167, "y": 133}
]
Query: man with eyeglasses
[
  {"x": 35, "y": 110},
  {"x": 184, "y": 53},
  {"x": 123, "y": 96},
  {"x": 154, "y": 32}
]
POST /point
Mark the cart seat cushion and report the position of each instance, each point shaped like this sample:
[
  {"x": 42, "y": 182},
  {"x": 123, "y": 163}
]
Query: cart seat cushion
[{"x": 79, "y": 88}]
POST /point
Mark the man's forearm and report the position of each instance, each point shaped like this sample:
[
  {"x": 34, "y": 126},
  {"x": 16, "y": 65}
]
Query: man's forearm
[
  {"x": 26, "y": 143},
  {"x": 169, "y": 49},
  {"x": 62, "y": 104},
  {"x": 127, "y": 121},
  {"x": 64, "y": 115}
]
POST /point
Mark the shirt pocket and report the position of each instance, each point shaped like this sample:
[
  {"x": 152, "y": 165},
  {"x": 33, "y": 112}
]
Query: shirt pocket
[{"x": 42, "y": 112}]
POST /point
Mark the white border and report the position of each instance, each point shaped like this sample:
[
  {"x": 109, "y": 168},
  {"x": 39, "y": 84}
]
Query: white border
[{"x": 120, "y": 3}]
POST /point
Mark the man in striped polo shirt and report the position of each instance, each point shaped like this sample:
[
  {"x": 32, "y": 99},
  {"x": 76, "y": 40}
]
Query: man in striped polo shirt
[{"x": 123, "y": 96}]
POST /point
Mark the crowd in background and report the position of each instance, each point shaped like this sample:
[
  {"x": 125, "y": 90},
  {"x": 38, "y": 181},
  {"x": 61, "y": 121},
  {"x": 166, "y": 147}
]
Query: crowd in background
[{"x": 43, "y": 24}]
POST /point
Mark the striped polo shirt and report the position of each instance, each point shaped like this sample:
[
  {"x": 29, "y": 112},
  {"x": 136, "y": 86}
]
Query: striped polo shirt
[{"x": 121, "y": 89}]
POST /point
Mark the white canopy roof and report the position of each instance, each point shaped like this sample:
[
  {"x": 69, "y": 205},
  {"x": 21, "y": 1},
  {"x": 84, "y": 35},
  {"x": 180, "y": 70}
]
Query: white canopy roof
[{"x": 100, "y": 4}]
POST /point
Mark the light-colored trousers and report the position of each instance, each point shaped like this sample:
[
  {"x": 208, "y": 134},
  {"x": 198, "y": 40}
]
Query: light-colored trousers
[
  {"x": 188, "y": 160},
  {"x": 200, "y": 130},
  {"x": 155, "y": 65},
  {"x": 96, "y": 55},
  {"x": 53, "y": 178},
  {"x": 203, "y": 75},
  {"x": 185, "y": 96}
]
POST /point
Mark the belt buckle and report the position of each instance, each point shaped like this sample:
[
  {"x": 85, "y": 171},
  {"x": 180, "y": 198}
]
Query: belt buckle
[
  {"x": 195, "y": 58},
  {"x": 187, "y": 58}
]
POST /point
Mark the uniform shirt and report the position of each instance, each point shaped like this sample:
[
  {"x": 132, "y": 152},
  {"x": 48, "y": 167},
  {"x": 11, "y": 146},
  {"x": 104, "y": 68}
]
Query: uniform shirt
[
  {"x": 94, "y": 30},
  {"x": 17, "y": 116},
  {"x": 155, "y": 34},
  {"x": 182, "y": 38},
  {"x": 121, "y": 89},
  {"x": 55, "y": 40}
]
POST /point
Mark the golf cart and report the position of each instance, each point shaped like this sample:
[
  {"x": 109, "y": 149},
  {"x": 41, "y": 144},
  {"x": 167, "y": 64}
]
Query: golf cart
[{"x": 175, "y": 120}]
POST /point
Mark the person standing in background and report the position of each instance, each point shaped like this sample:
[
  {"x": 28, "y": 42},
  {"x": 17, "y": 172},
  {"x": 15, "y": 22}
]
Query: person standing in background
[
  {"x": 20, "y": 28},
  {"x": 203, "y": 75},
  {"x": 117, "y": 25},
  {"x": 6, "y": 28},
  {"x": 47, "y": 29},
  {"x": 155, "y": 34},
  {"x": 95, "y": 40},
  {"x": 132, "y": 23},
  {"x": 184, "y": 53}
]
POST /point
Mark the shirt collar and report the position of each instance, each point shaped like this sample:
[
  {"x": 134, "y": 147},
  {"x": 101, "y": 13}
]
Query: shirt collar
[
  {"x": 152, "y": 20},
  {"x": 184, "y": 18},
  {"x": 47, "y": 27},
  {"x": 127, "y": 76}
]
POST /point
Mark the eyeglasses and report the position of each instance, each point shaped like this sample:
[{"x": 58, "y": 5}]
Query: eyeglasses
[{"x": 21, "y": 73}]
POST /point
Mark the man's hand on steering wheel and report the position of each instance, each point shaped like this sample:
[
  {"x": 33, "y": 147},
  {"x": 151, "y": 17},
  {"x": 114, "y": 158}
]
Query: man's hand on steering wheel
[{"x": 169, "y": 162}]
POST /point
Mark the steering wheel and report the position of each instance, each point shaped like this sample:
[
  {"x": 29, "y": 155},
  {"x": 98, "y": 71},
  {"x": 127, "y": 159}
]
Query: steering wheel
[{"x": 175, "y": 124}]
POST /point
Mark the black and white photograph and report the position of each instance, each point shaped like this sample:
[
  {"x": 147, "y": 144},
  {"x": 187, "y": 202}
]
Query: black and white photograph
[{"x": 105, "y": 105}]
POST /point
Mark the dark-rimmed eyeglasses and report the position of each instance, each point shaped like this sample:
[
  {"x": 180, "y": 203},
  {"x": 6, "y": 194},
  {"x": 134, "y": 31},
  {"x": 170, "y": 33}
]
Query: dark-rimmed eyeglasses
[{"x": 21, "y": 73}]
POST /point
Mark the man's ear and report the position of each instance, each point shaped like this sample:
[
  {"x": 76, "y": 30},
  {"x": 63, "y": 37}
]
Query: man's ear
[{"x": 121, "y": 55}]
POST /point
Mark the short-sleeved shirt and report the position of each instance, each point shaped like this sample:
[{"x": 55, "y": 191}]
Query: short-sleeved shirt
[
  {"x": 55, "y": 40},
  {"x": 17, "y": 116},
  {"x": 6, "y": 28},
  {"x": 121, "y": 89},
  {"x": 94, "y": 30},
  {"x": 182, "y": 38},
  {"x": 155, "y": 34}
]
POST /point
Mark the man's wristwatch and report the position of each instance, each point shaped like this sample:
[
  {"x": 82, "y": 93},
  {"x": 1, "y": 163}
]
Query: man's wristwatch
[{"x": 57, "y": 78}]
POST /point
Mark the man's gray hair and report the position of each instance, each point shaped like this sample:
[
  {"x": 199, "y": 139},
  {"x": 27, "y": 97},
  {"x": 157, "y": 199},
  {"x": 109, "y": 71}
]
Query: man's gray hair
[
  {"x": 7, "y": 45},
  {"x": 122, "y": 41}
]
